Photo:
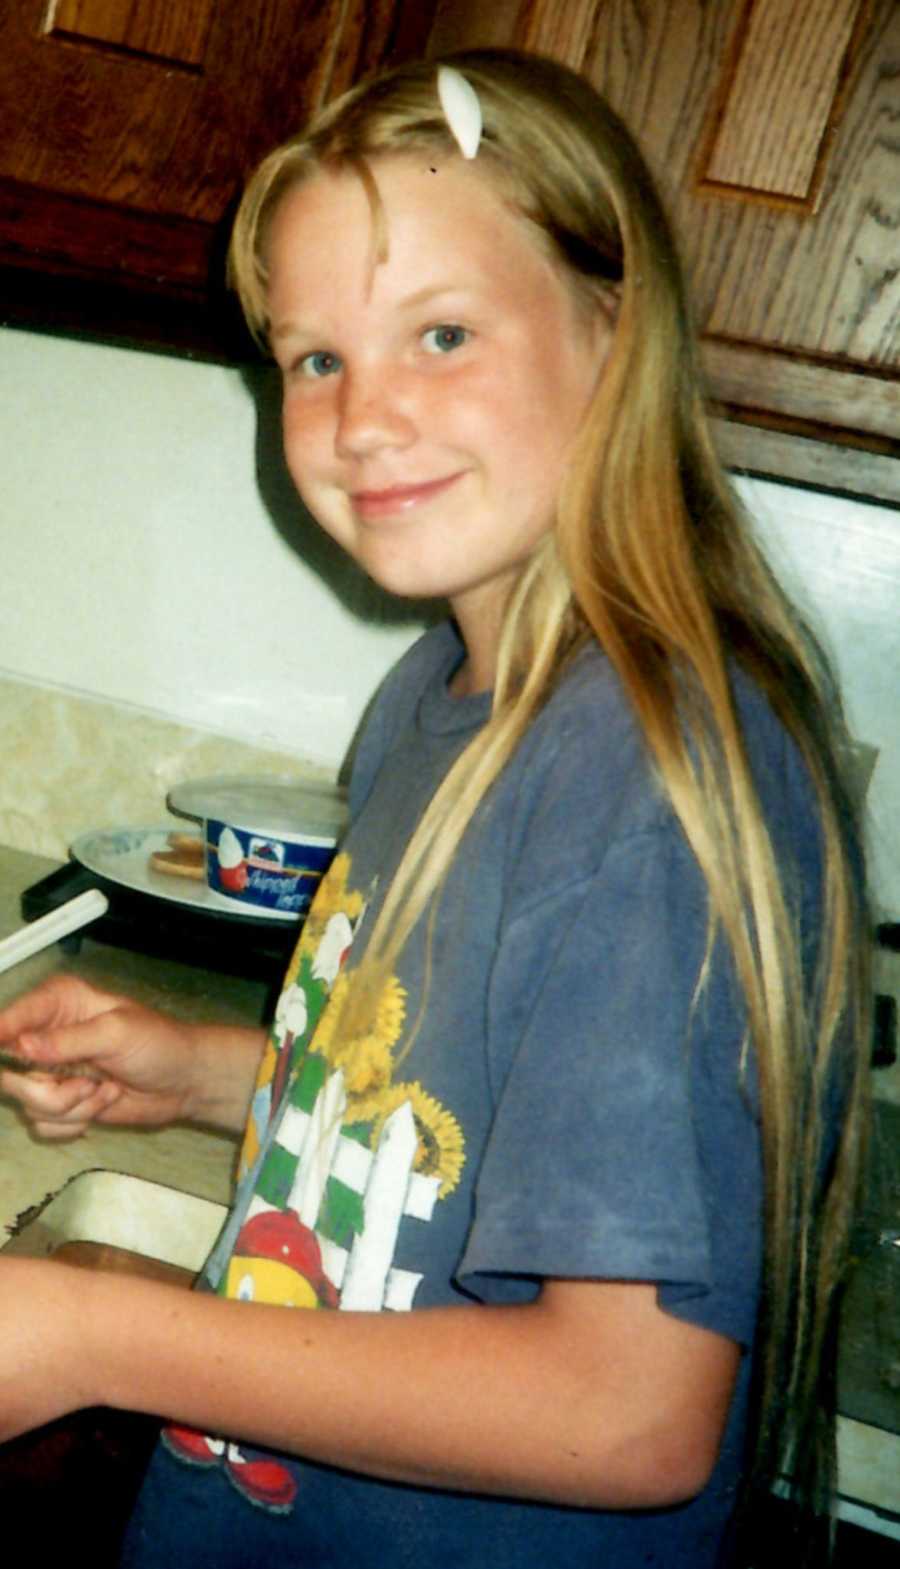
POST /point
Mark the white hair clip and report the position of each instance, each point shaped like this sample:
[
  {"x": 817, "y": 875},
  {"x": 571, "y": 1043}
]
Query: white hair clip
[{"x": 462, "y": 111}]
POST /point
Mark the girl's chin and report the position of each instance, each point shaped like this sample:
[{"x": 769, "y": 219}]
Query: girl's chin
[{"x": 404, "y": 579}]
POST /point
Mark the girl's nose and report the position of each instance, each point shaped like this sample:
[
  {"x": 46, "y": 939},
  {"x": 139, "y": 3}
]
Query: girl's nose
[{"x": 373, "y": 413}]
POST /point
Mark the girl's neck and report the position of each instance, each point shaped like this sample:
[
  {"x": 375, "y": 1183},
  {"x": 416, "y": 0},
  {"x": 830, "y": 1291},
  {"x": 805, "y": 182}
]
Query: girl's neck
[
  {"x": 479, "y": 625},
  {"x": 469, "y": 678}
]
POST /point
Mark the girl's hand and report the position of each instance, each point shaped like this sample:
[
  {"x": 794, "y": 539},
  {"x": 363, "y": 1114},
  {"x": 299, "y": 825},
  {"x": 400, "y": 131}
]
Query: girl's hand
[{"x": 123, "y": 1063}]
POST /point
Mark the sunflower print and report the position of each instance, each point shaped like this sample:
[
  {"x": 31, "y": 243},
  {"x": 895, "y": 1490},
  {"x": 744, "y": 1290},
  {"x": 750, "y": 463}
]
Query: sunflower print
[
  {"x": 441, "y": 1148},
  {"x": 365, "y": 1058}
]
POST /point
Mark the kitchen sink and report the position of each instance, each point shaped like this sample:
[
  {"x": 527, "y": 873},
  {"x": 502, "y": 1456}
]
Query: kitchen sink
[
  {"x": 75, "y": 1480},
  {"x": 111, "y": 1220}
]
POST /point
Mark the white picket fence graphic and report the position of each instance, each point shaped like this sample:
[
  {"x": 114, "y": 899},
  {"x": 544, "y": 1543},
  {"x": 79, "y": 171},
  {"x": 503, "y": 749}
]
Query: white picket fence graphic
[{"x": 386, "y": 1182}]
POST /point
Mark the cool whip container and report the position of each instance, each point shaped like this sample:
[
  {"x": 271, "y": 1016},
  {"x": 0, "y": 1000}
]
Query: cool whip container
[{"x": 267, "y": 839}]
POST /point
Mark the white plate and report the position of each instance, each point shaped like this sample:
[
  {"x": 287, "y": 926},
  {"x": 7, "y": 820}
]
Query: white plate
[{"x": 122, "y": 855}]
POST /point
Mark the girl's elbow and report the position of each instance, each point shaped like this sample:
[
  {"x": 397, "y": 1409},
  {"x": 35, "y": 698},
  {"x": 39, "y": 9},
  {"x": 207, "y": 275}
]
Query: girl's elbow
[
  {"x": 681, "y": 1476},
  {"x": 660, "y": 1470}
]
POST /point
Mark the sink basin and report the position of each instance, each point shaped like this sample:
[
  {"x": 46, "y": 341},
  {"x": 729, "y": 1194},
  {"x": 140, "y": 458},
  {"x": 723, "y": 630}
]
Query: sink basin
[
  {"x": 107, "y": 1219},
  {"x": 76, "y": 1479}
]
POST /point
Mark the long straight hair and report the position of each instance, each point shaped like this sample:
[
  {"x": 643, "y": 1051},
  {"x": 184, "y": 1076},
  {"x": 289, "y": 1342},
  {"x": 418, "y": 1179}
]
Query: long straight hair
[{"x": 652, "y": 559}]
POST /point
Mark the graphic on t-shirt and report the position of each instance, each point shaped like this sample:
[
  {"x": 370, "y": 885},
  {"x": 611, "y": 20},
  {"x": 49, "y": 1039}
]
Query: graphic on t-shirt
[
  {"x": 338, "y": 1153},
  {"x": 278, "y": 1259},
  {"x": 325, "y": 942}
]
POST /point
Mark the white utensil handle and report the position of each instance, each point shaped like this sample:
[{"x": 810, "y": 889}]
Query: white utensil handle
[{"x": 51, "y": 928}]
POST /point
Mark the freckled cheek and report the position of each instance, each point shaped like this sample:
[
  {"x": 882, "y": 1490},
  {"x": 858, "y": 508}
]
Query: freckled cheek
[
  {"x": 308, "y": 443},
  {"x": 478, "y": 419}
]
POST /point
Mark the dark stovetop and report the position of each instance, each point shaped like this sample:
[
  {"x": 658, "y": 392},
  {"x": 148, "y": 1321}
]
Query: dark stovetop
[{"x": 245, "y": 945}]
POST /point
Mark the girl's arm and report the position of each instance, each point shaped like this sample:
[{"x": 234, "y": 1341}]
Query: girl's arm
[
  {"x": 140, "y": 1067},
  {"x": 591, "y": 1395}
]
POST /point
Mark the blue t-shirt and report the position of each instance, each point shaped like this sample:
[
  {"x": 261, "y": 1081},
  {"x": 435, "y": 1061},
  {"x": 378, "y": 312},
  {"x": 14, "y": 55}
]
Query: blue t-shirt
[{"x": 553, "y": 1100}]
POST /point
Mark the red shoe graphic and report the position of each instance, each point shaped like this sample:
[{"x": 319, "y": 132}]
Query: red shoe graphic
[
  {"x": 192, "y": 1447},
  {"x": 263, "y": 1482},
  {"x": 266, "y": 1483}
]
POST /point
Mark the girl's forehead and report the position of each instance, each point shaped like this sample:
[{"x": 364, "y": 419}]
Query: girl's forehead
[
  {"x": 427, "y": 203},
  {"x": 416, "y": 183}
]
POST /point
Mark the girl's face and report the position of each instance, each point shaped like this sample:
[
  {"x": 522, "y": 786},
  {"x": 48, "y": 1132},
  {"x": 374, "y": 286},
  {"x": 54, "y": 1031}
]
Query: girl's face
[{"x": 430, "y": 398}]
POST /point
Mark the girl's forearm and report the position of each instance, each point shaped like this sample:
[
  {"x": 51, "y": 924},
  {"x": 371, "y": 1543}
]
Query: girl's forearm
[
  {"x": 586, "y": 1397},
  {"x": 226, "y": 1059}
]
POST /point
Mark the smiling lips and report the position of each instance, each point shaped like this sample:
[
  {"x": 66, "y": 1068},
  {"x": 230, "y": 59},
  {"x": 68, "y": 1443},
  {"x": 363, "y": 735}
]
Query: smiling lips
[{"x": 399, "y": 499}]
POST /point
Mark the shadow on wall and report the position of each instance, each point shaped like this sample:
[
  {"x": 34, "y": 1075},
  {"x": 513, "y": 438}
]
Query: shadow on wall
[{"x": 347, "y": 582}]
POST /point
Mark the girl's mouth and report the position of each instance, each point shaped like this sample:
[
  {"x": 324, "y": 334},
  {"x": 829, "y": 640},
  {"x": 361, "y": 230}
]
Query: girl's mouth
[{"x": 400, "y": 499}]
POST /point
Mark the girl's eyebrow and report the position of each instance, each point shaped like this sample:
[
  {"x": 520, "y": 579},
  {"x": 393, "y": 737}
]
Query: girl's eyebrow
[
  {"x": 285, "y": 329},
  {"x": 431, "y": 292}
]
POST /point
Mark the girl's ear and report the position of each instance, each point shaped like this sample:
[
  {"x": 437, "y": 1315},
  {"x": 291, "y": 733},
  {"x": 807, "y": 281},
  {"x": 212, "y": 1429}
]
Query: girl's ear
[
  {"x": 604, "y": 319},
  {"x": 607, "y": 306}
]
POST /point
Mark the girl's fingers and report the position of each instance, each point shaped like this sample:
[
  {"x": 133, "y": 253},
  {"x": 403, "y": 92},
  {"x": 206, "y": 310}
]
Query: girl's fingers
[
  {"x": 59, "y": 1132},
  {"x": 81, "y": 1116},
  {"x": 55, "y": 1003},
  {"x": 51, "y": 1102},
  {"x": 82, "y": 1042}
]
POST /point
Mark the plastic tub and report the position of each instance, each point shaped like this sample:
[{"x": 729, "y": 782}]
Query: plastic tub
[{"x": 267, "y": 840}]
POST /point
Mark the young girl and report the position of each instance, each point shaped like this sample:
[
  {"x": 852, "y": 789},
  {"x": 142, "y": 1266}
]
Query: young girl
[{"x": 560, "y": 1106}]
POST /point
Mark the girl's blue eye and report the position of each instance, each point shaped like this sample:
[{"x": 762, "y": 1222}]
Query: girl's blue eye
[
  {"x": 319, "y": 364},
  {"x": 443, "y": 339}
]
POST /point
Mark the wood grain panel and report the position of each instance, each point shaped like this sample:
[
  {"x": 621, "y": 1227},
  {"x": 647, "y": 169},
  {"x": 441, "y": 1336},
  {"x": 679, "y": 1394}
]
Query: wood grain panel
[
  {"x": 119, "y": 172},
  {"x": 782, "y": 97},
  {"x": 564, "y": 31},
  {"x": 828, "y": 287},
  {"x": 95, "y": 240},
  {"x": 120, "y": 129},
  {"x": 657, "y": 65},
  {"x": 825, "y": 287},
  {"x": 154, "y": 29},
  {"x": 470, "y": 24},
  {"x": 376, "y": 33},
  {"x": 798, "y": 296},
  {"x": 804, "y": 460},
  {"x": 751, "y": 377}
]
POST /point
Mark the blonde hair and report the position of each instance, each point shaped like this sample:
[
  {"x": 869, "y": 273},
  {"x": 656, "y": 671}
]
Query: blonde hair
[{"x": 651, "y": 558}]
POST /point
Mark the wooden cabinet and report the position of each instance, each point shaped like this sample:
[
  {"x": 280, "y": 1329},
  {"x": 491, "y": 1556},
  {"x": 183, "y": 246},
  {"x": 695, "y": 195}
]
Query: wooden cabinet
[
  {"x": 773, "y": 127},
  {"x": 126, "y": 128}
]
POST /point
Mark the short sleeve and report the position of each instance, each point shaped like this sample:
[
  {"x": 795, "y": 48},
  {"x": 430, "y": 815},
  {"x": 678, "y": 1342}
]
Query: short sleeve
[{"x": 624, "y": 1145}]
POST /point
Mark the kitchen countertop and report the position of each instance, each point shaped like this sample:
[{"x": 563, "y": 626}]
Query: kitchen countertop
[{"x": 199, "y": 1161}]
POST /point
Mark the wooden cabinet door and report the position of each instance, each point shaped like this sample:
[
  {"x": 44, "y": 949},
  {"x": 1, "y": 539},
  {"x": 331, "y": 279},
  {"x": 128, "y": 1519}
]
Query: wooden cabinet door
[
  {"x": 773, "y": 127},
  {"x": 126, "y": 127}
]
